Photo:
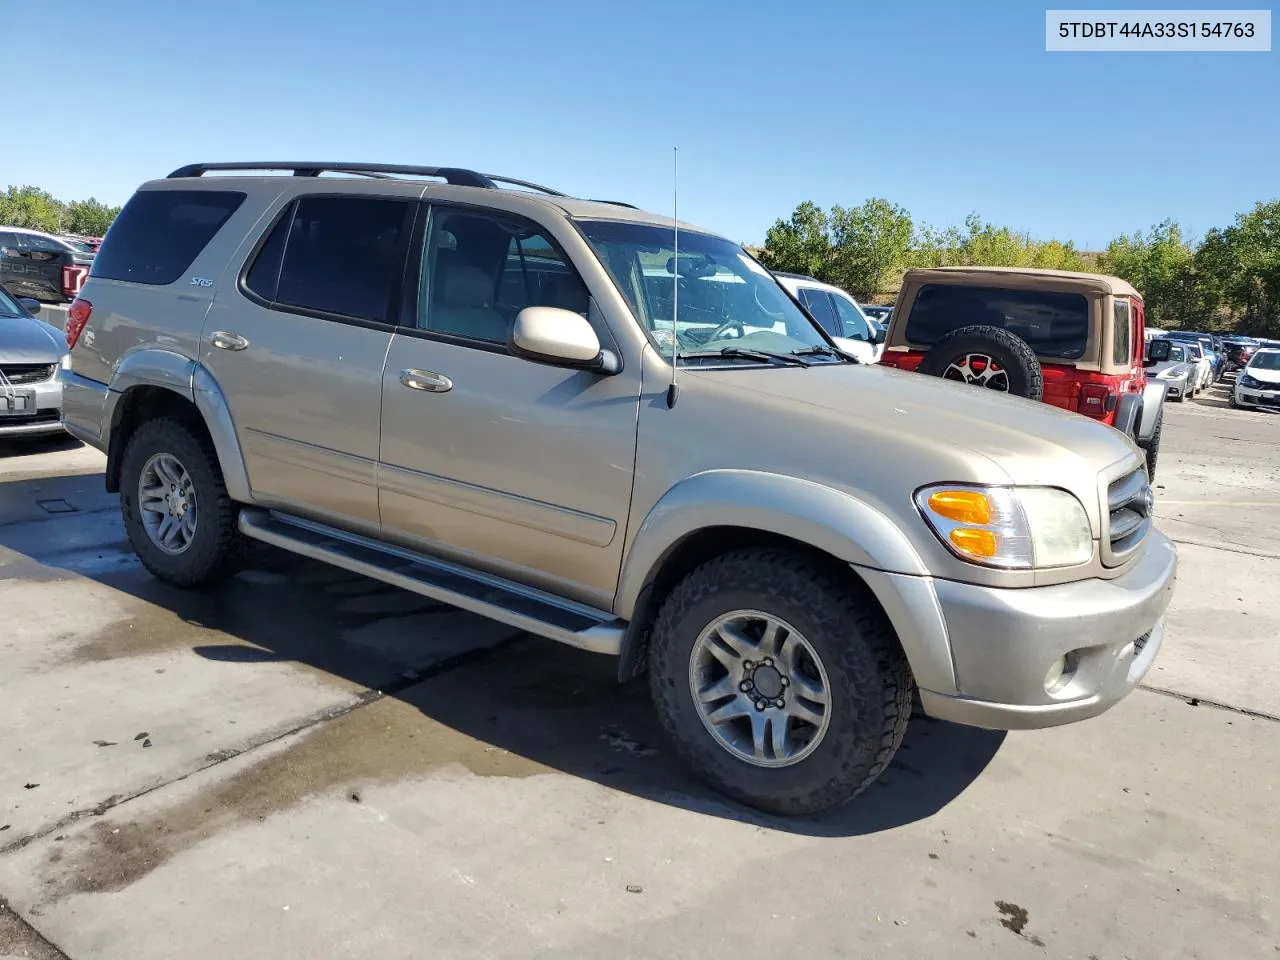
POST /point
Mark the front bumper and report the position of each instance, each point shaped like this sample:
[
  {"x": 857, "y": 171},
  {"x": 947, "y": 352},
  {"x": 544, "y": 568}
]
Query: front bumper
[
  {"x": 48, "y": 416},
  {"x": 1177, "y": 386},
  {"x": 1257, "y": 397},
  {"x": 1003, "y": 643}
]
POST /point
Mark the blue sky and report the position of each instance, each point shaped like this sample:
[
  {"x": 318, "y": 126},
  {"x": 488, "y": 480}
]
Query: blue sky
[{"x": 944, "y": 108}]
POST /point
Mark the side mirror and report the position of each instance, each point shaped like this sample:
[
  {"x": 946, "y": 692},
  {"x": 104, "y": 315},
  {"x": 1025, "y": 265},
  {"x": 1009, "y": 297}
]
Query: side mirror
[
  {"x": 32, "y": 307},
  {"x": 561, "y": 338}
]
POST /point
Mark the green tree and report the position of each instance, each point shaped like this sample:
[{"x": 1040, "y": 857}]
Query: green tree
[
  {"x": 983, "y": 244},
  {"x": 870, "y": 246},
  {"x": 90, "y": 217},
  {"x": 1239, "y": 269},
  {"x": 1161, "y": 265},
  {"x": 801, "y": 244},
  {"x": 32, "y": 208}
]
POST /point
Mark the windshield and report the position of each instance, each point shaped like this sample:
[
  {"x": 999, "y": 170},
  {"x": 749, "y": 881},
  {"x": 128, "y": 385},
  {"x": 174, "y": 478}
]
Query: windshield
[
  {"x": 727, "y": 301},
  {"x": 8, "y": 306},
  {"x": 1265, "y": 361}
]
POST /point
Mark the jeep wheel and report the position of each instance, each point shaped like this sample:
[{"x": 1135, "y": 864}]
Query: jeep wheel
[
  {"x": 177, "y": 514},
  {"x": 1152, "y": 446},
  {"x": 780, "y": 686},
  {"x": 986, "y": 356}
]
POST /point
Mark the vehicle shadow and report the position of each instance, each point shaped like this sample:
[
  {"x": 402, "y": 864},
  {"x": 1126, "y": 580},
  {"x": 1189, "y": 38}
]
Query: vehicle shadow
[
  {"x": 31, "y": 446},
  {"x": 558, "y": 707}
]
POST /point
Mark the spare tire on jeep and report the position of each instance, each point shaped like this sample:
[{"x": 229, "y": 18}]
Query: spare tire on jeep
[{"x": 986, "y": 356}]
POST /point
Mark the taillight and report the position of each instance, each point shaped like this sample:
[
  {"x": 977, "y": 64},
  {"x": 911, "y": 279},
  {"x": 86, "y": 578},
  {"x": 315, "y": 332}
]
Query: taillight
[
  {"x": 73, "y": 275},
  {"x": 1096, "y": 400},
  {"x": 77, "y": 316}
]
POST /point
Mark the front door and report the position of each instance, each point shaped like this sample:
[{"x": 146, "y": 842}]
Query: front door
[
  {"x": 521, "y": 468},
  {"x": 298, "y": 351}
]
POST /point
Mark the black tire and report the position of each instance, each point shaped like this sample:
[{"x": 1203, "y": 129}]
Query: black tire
[
  {"x": 1013, "y": 354},
  {"x": 1152, "y": 446},
  {"x": 217, "y": 544},
  {"x": 871, "y": 685}
]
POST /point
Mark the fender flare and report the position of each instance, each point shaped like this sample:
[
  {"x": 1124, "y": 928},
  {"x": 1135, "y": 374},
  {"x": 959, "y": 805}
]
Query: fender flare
[
  {"x": 194, "y": 383},
  {"x": 831, "y": 520},
  {"x": 1128, "y": 414},
  {"x": 1153, "y": 397}
]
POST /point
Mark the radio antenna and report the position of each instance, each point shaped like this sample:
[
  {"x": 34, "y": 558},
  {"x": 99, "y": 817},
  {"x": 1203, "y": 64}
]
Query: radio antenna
[{"x": 672, "y": 389}]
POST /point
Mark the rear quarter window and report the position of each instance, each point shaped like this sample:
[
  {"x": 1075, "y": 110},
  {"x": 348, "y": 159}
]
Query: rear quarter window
[
  {"x": 159, "y": 233},
  {"x": 1055, "y": 324}
]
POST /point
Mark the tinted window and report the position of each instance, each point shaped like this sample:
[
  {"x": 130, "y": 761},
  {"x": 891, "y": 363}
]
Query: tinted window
[
  {"x": 264, "y": 276},
  {"x": 1055, "y": 324},
  {"x": 8, "y": 240},
  {"x": 44, "y": 244},
  {"x": 854, "y": 326},
  {"x": 819, "y": 304},
  {"x": 481, "y": 270},
  {"x": 343, "y": 255},
  {"x": 1120, "y": 333},
  {"x": 160, "y": 232}
]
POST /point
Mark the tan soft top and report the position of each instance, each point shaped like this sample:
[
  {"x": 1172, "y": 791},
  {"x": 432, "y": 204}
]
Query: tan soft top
[{"x": 1100, "y": 282}]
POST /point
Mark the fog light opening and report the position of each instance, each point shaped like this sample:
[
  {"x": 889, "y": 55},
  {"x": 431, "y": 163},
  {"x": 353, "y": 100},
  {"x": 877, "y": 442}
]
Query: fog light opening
[{"x": 1060, "y": 673}]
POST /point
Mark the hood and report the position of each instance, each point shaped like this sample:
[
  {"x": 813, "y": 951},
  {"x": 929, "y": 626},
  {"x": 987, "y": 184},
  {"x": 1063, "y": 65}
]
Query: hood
[
  {"x": 1033, "y": 442},
  {"x": 28, "y": 340},
  {"x": 1169, "y": 368},
  {"x": 1264, "y": 376}
]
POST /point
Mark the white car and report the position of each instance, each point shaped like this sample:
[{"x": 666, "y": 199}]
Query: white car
[
  {"x": 1258, "y": 384},
  {"x": 839, "y": 314},
  {"x": 1204, "y": 366}
]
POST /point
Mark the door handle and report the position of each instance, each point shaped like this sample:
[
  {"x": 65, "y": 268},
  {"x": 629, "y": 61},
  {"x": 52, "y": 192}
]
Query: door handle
[
  {"x": 426, "y": 380},
  {"x": 228, "y": 341}
]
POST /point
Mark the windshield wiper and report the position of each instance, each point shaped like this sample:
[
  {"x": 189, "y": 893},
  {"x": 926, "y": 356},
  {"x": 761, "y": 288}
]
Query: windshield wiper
[
  {"x": 760, "y": 356},
  {"x": 818, "y": 350}
]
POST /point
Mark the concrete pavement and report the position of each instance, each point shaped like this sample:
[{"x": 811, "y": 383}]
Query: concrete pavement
[{"x": 306, "y": 763}]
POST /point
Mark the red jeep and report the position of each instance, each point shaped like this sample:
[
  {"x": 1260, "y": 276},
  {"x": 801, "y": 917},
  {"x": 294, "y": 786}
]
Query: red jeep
[{"x": 1075, "y": 340}]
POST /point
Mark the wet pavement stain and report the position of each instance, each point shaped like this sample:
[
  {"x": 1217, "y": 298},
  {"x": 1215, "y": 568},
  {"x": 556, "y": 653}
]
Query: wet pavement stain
[
  {"x": 18, "y": 940},
  {"x": 1014, "y": 917},
  {"x": 385, "y": 742}
]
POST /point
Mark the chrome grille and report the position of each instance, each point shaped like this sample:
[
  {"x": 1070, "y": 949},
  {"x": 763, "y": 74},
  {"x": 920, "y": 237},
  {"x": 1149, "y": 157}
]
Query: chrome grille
[
  {"x": 1129, "y": 514},
  {"x": 20, "y": 373}
]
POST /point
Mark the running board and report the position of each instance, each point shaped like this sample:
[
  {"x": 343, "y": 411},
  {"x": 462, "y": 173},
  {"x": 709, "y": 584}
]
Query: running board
[{"x": 493, "y": 597}]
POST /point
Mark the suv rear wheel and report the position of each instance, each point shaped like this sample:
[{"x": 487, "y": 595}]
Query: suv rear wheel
[
  {"x": 780, "y": 686},
  {"x": 177, "y": 514}
]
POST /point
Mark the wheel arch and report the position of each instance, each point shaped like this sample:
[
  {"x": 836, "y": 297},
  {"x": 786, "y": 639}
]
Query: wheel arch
[
  {"x": 723, "y": 510},
  {"x": 153, "y": 383}
]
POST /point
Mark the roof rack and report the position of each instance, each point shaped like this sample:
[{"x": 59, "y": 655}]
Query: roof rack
[{"x": 457, "y": 176}]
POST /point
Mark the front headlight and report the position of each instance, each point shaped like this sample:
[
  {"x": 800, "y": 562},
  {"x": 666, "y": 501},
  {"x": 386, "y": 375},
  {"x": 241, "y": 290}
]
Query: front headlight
[
  {"x": 1249, "y": 382},
  {"x": 1013, "y": 528}
]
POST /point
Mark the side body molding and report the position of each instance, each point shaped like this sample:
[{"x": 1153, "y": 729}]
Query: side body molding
[{"x": 826, "y": 518}]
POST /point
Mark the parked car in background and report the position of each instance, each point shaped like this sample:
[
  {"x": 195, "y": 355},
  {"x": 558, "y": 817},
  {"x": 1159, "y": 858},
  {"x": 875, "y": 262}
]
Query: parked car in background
[
  {"x": 1215, "y": 358},
  {"x": 30, "y": 376},
  {"x": 792, "y": 544},
  {"x": 84, "y": 244},
  {"x": 1167, "y": 361},
  {"x": 1074, "y": 340},
  {"x": 1203, "y": 365},
  {"x": 878, "y": 312},
  {"x": 1239, "y": 351},
  {"x": 1258, "y": 384},
  {"x": 42, "y": 266},
  {"x": 838, "y": 313}
]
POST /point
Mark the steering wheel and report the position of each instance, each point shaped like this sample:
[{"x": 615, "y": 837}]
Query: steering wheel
[{"x": 726, "y": 326}]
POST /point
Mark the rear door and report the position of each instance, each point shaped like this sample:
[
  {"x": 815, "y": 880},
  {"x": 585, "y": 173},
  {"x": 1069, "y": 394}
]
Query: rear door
[{"x": 297, "y": 338}]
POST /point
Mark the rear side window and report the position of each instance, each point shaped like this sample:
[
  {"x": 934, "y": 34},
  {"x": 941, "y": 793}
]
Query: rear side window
[
  {"x": 1121, "y": 333},
  {"x": 160, "y": 232},
  {"x": 854, "y": 327},
  {"x": 338, "y": 256},
  {"x": 1054, "y": 324},
  {"x": 819, "y": 304}
]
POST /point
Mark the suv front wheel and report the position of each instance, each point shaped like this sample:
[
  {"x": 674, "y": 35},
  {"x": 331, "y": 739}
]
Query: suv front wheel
[
  {"x": 177, "y": 514},
  {"x": 779, "y": 685}
]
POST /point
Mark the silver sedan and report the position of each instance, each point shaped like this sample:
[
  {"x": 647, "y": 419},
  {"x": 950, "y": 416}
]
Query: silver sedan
[{"x": 30, "y": 370}]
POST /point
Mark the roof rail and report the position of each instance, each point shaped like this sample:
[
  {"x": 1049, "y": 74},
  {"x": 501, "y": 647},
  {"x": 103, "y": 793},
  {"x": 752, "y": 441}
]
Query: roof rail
[{"x": 458, "y": 176}]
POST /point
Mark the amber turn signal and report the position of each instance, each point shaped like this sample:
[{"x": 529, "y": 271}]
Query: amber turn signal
[
  {"x": 962, "y": 506},
  {"x": 977, "y": 543}
]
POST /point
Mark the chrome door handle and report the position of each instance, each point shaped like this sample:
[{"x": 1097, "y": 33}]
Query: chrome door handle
[
  {"x": 228, "y": 341},
  {"x": 426, "y": 380}
]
